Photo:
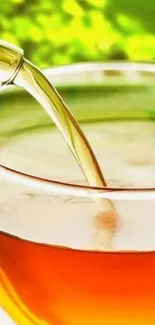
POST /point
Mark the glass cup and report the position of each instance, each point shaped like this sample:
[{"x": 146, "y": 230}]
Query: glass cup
[{"x": 54, "y": 269}]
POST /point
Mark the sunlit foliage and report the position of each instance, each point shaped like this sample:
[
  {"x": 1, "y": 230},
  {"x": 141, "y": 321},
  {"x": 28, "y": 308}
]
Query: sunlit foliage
[{"x": 64, "y": 31}]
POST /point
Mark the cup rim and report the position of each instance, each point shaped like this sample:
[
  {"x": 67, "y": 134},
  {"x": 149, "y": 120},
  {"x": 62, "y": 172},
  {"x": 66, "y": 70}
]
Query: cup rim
[
  {"x": 63, "y": 188},
  {"x": 123, "y": 66}
]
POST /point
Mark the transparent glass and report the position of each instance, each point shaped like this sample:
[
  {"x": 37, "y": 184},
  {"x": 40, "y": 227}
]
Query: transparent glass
[{"x": 53, "y": 268}]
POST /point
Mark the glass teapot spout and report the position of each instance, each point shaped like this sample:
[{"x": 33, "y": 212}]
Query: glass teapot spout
[{"x": 11, "y": 59}]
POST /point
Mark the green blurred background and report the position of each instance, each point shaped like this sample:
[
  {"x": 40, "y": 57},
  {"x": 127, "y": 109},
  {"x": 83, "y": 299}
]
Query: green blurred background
[{"x": 64, "y": 31}]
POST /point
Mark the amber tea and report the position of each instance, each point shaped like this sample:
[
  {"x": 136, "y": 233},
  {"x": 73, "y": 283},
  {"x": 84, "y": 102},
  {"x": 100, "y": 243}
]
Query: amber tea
[{"x": 63, "y": 259}]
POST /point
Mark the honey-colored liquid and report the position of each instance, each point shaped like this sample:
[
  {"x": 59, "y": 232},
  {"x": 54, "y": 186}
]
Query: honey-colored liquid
[
  {"x": 42, "y": 284},
  {"x": 47, "y": 285},
  {"x": 74, "y": 137}
]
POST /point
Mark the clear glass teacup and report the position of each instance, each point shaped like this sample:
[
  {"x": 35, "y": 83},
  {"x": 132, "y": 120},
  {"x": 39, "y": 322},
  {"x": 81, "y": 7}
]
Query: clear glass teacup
[{"x": 53, "y": 268}]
